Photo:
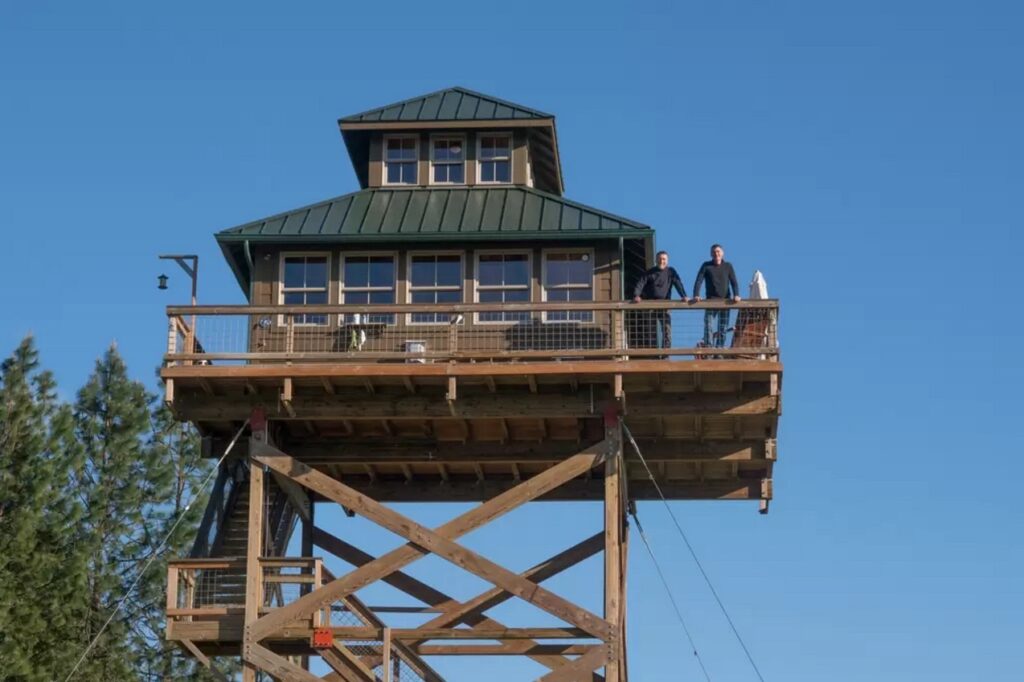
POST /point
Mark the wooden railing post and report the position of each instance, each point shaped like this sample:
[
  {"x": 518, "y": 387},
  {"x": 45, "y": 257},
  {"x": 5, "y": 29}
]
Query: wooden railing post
[{"x": 289, "y": 340}]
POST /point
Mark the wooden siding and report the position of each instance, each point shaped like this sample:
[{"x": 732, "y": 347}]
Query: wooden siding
[{"x": 266, "y": 283}]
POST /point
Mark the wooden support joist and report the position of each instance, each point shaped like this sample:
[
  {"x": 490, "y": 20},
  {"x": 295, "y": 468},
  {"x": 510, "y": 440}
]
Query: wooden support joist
[
  {"x": 474, "y": 490},
  {"x": 368, "y": 384},
  {"x": 346, "y": 405},
  {"x": 577, "y": 670},
  {"x": 511, "y": 649},
  {"x": 202, "y": 407},
  {"x": 328, "y": 385},
  {"x": 582, "y": 368},
  {"x": 296, "y": 495},
  {"x": 287, "y": 396},
  {"x": 278, "y": 666},
  {"x": 347, "y": 633},
  {"x": 398, "y": 558},
  {"x": 347, "y": 664}
]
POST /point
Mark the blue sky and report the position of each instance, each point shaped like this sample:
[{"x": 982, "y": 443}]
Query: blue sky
[{"x": 865, "y": 156}]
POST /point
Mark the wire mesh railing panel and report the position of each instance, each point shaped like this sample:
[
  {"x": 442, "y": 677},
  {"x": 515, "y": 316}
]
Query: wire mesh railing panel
[
  {"x": 212, "y": 586},
  {"x": 509, "y": 331}
]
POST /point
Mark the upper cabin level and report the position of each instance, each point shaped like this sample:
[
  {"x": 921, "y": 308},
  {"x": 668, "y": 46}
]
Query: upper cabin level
[{"x": 459, "y": 297}]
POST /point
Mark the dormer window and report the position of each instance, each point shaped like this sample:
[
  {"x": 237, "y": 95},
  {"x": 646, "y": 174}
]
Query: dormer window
[
  {"x": 401, "y": 154},
  {"x": 448, "y": 160},
  {"x": 494, "y": 158}
]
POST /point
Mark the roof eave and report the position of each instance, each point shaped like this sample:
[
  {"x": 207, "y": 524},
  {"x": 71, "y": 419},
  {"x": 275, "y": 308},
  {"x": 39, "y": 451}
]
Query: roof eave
[{"x": 636, "y": 232}]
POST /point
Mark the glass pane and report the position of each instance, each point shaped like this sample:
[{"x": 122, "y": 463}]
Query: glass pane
[
  {"x": 556, "y": 271},
  {"x": 516, "y": 269},
  {"x": 423, "y": 297},
  {"x": 316, "y": 297},
  {"x": 394, "y": 172},
  {"x": 580, "y": 294},
  {"x": 491, "y": 296},
  {"x": 449, "y": 296},
  {"x": 580, "y": 271},
  {"x": 422, "y": 271},
  {"x": 517, "y": 296},
  {"x": 440, "y": 150},
  {"x": 455, "y": 150},
  {"x": 357, "y": 297},
  {"x": 486, "y": 147},
  {"x": 487, "y": 171},
  {"x": 440, "y": 173},
  {"x": 502, "y": 172},
  {"x": 501, "y": 146},
  {"x": 490, "y": 271},
  {"x": 294, "y": 272},
  {"x": 558, "y": 295},
  {"x": 294, "y": 298},
  {"x": 382, "y": 271},
  {"x": 456, "y": 174},
  {"x": 382, "y": 297},
  {"x": 357, "y": 271},
  {"x": 408, "y": 173},
  {"x": 316, "y": 272},
  {"x": 449, "y": 271}
]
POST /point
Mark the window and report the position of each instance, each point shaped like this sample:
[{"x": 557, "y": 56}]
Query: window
[
  {"x": 304, "y": 282},
  {"x": 400, "y": 159},
  {"x": 434, "y": 278},
  {"x": 568, "y": 277},
  {"x": 495, "y": 158},
  {"x": 503, "y": 278},
  {"x": 367, "y": 279},
  {"x": 448, "y": 160}
]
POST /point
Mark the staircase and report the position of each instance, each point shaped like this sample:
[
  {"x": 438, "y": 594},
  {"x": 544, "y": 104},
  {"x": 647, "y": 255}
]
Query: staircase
[{"x": 224, "y": 531}]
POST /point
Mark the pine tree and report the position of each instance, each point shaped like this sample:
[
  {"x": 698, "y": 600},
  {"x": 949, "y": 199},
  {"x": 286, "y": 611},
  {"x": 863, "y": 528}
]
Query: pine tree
[
  {"x": 41, "y": 563},
  {"x": 141, "y": 470}
]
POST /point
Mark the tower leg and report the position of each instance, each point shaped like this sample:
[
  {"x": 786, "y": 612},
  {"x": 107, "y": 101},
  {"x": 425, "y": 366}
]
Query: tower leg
[
  {"x": 254, "y": 547},
  {"x": 613, "y": 535}
]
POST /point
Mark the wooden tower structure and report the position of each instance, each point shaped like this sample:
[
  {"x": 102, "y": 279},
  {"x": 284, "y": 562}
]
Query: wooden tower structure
[{"x": 455, "y": 330}]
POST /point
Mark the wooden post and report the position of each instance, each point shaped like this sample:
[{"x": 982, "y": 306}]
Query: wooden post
[
  {"x": 613, "y": 542},
  {"x": 254, "y": 548},
  {"x": 387, "y": 654}
]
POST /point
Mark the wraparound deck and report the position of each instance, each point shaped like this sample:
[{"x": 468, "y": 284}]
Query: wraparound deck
[{"x": 459, "y": 402}]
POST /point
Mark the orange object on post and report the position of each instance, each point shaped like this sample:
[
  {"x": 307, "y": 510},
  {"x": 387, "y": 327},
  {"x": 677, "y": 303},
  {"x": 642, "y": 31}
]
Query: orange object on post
[{"x": 323, "y": 638}]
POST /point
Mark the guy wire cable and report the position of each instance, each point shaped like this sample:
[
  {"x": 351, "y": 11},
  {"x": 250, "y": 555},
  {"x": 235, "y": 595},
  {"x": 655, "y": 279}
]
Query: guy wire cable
[
  {"x": 668, "y": 590},
  {"x": 693, "y": 553},
  {"x": 158, "y": 549}
]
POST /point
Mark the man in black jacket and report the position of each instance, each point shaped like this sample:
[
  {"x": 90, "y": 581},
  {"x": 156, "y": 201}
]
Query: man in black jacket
[
  {"x": 718, "y": 278},
  {"x": 656, "y": 285}
]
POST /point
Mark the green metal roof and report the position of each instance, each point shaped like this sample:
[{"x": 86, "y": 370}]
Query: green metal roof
[
  {"x": 428, "y": 213},
  {"x": 451, "y": 104}
]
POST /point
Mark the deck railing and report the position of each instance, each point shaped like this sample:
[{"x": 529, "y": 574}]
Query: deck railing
[
  {"x": 471, "y": 331},
  {"x": 213, "y": 587}
]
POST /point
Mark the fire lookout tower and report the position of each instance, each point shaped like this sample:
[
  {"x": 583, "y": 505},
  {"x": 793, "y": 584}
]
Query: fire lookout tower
[{"x": 454, "y": 331}]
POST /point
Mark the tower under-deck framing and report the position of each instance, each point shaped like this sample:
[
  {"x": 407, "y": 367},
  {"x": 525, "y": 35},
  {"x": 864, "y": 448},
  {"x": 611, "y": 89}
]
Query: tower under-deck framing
[{"x": 453, "y": 331}]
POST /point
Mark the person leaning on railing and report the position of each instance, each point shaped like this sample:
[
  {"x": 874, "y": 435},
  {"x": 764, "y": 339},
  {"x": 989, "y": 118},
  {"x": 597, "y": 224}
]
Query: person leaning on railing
[
  {"x": 718, "y": 277},
  {"x": 656, "y": 285}
]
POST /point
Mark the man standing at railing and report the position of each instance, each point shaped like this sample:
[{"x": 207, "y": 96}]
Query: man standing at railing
[
  {"x": 718, "y": 278},
  {"x": 656, "y": 285}
]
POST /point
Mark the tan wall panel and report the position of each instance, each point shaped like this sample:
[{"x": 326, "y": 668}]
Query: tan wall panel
[{"x": 376, "y": 172}]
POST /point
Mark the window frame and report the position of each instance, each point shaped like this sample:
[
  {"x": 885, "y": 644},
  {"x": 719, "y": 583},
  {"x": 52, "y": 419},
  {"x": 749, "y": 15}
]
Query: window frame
[
  {"x": 282, "y": 257},
  {"x": 342, "y": 255},
  {"x": 384, "y": 158},
  {"x": 545, "y": 253},
  {"x": 477, "y": 286},
  {"x": 409, "y": 288},
  {"x": 511, "y": 154},
  {"x": 464, "y": 162}
]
